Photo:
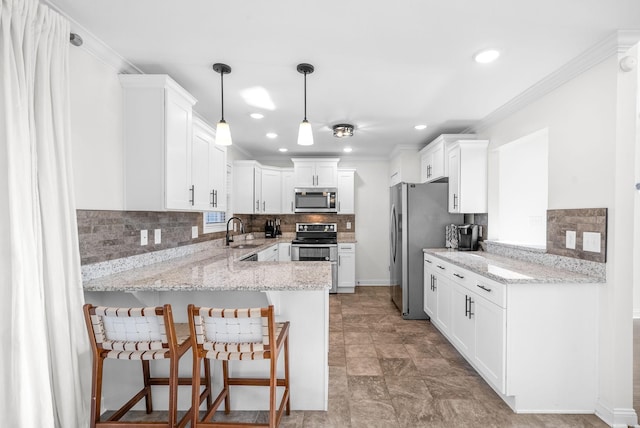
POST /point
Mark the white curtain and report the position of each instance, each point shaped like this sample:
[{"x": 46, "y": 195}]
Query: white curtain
[{"x": 44, "y": 351}]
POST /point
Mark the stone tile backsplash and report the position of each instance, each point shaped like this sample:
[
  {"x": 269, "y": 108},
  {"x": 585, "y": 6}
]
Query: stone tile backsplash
[
  {"x": 580, "y": 221},
  {"x": 108, "y": 235}
]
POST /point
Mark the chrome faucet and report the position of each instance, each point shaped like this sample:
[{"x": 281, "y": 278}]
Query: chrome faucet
[{"x": 230, "y": 238}]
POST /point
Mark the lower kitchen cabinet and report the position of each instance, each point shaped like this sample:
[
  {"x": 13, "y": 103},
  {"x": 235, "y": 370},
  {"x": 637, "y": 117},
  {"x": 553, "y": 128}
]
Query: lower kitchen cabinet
[
  {"x": 534, "y": 343},
  {"x": 269, "y": 255},
  {"x": 284, "y": 252},
  {"x": 346, "y": 268}
]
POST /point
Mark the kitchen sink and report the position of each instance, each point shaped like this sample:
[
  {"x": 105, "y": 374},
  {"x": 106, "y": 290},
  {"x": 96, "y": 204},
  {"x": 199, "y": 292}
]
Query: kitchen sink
[{"x": 245, "y": 246}]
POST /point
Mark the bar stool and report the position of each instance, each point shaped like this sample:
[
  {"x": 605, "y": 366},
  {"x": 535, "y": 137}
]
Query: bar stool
[
  {"x": 238, "y": 334},
  {"x": 143, "y": 334}
]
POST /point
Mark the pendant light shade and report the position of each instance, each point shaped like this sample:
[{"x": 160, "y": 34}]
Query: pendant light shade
[
  {"x": 305, "y": 133},
  {"x": 223, "y": 132}
]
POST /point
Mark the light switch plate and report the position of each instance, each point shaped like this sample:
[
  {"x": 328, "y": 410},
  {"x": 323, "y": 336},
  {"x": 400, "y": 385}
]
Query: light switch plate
[
  {"x": 144, "y": 237},
  {"x": 157, "y": 236},
  {"x": 591, "y": 241},
  {"x": 571, "y": 239},
  {"x": 194, "y": 232},
  {"x": 348, "y": 225}
]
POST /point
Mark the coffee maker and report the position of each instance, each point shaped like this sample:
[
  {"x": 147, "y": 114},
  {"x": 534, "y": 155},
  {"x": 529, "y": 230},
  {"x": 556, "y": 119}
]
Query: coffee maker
[{"x": 467, "y": 237}]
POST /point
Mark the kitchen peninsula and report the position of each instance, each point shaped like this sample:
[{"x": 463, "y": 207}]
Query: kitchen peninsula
[{"x": 217, "y": 276}]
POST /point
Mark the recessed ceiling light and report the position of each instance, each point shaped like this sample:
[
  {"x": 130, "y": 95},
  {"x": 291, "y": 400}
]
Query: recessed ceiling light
[
  {"x": 271, "y": 135},
  {"x": 283, "y": 149},
  {"x": 420, "y": 127},
  {"x": 347, "y": 149},
  {"x": 257, "y": 115},
  {"x": 486, "y": 56}
]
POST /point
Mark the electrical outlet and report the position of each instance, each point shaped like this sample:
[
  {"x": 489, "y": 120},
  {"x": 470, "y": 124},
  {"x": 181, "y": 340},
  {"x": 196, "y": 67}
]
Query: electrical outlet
[
  {"x": 348, "y": 225},
  {"x": 194, "y": 232},
  {"x": 157, "y": 236},
  {"x": 144, "y": 237},
  {"x": 571, "y": 239},
  {"x": 591, "y": 242}
]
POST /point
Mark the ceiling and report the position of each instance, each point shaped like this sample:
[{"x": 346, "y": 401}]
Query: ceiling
[{"x": 381, "y": 66}]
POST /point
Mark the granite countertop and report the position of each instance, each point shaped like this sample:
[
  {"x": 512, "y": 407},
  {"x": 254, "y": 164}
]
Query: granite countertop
[
  {"x": 510, "y": 271},
  {"x": 219, "y": 269}
]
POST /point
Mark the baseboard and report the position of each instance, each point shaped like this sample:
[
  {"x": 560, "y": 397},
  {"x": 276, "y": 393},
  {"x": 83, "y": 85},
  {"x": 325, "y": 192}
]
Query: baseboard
[
  {"x": 373, "y": 282},
  {"x": 617, "y": 418}
]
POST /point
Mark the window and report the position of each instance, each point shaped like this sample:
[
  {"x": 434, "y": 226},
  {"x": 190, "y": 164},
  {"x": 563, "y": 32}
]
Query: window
[
  {"x": 216, "y": 221},
  {"x": 523, "y": 189}
]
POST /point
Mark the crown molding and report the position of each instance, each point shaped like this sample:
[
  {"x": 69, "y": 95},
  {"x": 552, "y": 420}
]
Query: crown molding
[
  {"x": 96, "y": 47},
  {"x": 397, "y": 149},
  {"x": 615, "y": 44}
]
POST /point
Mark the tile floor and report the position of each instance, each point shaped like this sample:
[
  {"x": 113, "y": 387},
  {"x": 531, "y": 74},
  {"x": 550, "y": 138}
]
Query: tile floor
[{"x": 388, "y": 372}]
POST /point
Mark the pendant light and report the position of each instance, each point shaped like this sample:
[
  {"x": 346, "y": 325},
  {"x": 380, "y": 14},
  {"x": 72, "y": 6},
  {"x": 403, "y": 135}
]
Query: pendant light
[
  {"x": 305, "y": 134},
  {"x": 223, "y": 133}
]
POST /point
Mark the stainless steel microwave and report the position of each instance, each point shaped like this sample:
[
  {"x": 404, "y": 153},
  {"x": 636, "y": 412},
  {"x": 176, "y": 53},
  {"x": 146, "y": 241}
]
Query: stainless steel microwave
[{"x": 315, "y": 200}]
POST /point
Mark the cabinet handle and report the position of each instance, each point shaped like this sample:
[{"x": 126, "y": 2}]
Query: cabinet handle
[
  {"x": 289, "y": 247},
  {"x": 470, "y": 309},
  {"x": 455, "y": 201},
  {"x": 264, "y": 206},
  {"x": 339, "y": 206},
  {"x": 468, "y": 301},
  {"x": 291, "y": 206},
  {"x": 339, "y": 260},
  {"x": 428, "y": 261},
  {"x": 216, "y": 200},
  {"x": 484, "y": 288},
  {"x": 441, "y": 267},
  {"x": 459, "y": 276},
  {"x": 193, "y": 194},
  {"x": 258, "y": 205},
  {"x": 213, "y": 198}
]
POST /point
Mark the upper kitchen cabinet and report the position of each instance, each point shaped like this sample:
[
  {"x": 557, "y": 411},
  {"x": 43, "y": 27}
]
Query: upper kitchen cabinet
[
  {"x": 271, "y": 190},
  {"x": 157, "y": 144},
  {"x": 318, "y": 172},
  {"x": 288, "y": 189},
  {"x": 346, "y": 193},
  {"x": 209, "y": 169},
  {"x": 433, "y": 162},
  {"x": 247, "y": 187},
  {"x": 467, "y": 164}
]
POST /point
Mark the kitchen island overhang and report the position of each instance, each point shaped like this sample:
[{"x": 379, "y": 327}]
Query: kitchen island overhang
[{"x": 217, "y": 277}]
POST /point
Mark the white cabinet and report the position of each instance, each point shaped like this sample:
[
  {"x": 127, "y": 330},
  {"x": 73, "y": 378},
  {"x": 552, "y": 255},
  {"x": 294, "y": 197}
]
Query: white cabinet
[
  {"x": 490, "y": 332},
  {"x": 271, "y": 190},
  {"x": 288, "y": 188},
  {"x": 467, "y": 163},
  {"x": 157, "y": 143},
  {"x": 269, "y": 255},
  {"x": 208, "y": 169},
  {"x": 317, "y": 172},
  {"x": 284, "y": 252},
  {"x": 433, "y": 161},
  {"x": 430, "y": 295},
  {"x": 346, "y": 268},
  {"x": 346, "y": 191},
  {"x": 462, "y": 330},
  {"x": 247, "y": 187}
]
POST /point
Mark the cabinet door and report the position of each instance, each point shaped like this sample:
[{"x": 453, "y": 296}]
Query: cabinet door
[
  {"x": 462, "y": 320},
  {"x": 271, "y": 185},
  {"x": 489, "y": 349},
  {"x": 178, "y": 152},
  {"x": 346, "y": 202},
  {"x": 430, "y": 295},
  {"x": 284, "y": 252},
  {"x": 287, "y": 196},
  {"x": 346, "y": 266},
  {"x": 217, "y": 178},
  {"x": 426, "y": 166},
  {"x": 437, "y": 162},
  {"x": 200, "y": 172},
  {"x": 244, "y": 201},
  {"x": 326, "y": 174},
  {"x": 443, "y": 302},
  {"x": 257, "y": 189},
  {"x": 305, "y": 174},
  {"x": 454, "y": 180}
]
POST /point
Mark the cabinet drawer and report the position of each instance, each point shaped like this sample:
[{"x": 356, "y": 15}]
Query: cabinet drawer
[
  {"x": 490, "y": 290},
  {"x": 346, "y": 247},
  {"x": 460, "y": 276}
]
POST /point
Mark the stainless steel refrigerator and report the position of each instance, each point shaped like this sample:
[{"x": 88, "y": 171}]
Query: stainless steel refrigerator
[{"x": 419, "y": 215}]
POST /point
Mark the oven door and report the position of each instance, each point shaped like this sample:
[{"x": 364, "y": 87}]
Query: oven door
[{"x": 314, "y": 253}]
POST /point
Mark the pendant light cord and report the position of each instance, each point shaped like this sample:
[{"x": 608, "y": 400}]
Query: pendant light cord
[
  {"x": 305, "y": 95},
  {"x": 222, "y": 93}
]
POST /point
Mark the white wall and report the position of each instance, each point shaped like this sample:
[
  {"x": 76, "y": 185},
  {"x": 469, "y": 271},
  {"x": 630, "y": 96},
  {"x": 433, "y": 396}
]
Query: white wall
[
  {"x": 96, "y": 132},
  {"x": 587, "y": 164}
]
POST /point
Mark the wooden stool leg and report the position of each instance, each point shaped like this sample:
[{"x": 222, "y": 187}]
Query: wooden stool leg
[
  {"x": 96, "y": 391},
  {"x": 146, "y": 375},
  {"x": 286, "y": 373},
  {"x": 195, "y": 389},
  {"x": 273, "y": 377},
  {"x": 207, "y": 374},
  {"x": 173, "y": 391},
  {"x": 225, "y": 377}
]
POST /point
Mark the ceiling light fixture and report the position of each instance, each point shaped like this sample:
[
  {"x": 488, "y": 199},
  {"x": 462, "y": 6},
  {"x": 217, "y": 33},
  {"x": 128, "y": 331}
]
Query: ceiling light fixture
[
  {"x": 271, "y": 135},
  {"x": 347, "y": 149},
  {"x": 486, "y": 56},
  {"x": 283, "y": 149},
  {"x": 343, "y": 130},
  {"x": 223, "y": 133},
  {"x": 420, "y": 127},
  {"x": 305, "y": 133},
  {"x": 257, "y": 115}
]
